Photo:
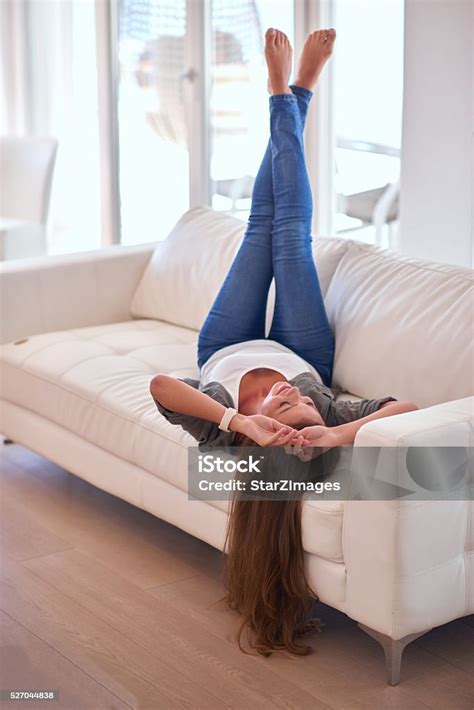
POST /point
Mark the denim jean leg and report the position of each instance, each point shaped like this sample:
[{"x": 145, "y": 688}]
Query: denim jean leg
[
  {"x": 239, "y": 310},
  {"x": 300, "y": 321},
  {"x": 263, "y": 186},
  {"x": 243, "y": 295}
]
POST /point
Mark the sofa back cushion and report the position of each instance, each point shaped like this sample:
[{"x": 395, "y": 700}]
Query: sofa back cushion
[
  {"x": 187, "y": 269},
  {"x": 403, "y": 327}
]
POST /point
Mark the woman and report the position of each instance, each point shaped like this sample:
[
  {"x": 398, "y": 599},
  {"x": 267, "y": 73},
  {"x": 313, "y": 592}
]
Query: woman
[{"x": 272, "y": 391}]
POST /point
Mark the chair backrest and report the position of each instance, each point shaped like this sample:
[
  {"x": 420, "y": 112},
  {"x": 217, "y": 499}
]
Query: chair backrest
[{"x": 26, "y": 173}]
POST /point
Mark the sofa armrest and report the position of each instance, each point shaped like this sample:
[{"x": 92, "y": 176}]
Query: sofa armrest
[
  {"x": 410, "y": 563},
  {"x": 443, "y": 424},
  {"x": 69, "y": 291}
]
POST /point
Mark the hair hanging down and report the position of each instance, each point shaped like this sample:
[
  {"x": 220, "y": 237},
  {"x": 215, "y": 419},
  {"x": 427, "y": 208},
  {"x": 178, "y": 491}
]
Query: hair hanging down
[{"x": 264, "y": 572}]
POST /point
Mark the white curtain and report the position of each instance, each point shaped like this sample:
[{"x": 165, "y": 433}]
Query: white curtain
[
  {"x": 36, "y": 65},
  {"x": 48, "y": 87}
]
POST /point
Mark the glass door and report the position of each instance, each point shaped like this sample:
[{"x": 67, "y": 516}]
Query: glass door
[
  {"x": 239, "y": 123},
  {"x": 368, "y": 95},
  {"x": 153, "y": 141}
]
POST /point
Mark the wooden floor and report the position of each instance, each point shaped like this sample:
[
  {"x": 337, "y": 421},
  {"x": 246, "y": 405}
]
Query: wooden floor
[{"x": 116, "y": 609}]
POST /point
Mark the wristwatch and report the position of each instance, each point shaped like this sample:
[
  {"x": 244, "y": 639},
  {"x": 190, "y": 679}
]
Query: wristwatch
[{"x": 228, "y": 415}]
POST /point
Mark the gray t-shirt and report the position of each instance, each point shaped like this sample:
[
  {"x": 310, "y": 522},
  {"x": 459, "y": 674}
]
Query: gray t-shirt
[{"x": 333, "y": 413}]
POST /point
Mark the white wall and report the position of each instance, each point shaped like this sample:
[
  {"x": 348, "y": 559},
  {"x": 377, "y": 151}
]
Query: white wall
[{"x": 437, "y": 139}]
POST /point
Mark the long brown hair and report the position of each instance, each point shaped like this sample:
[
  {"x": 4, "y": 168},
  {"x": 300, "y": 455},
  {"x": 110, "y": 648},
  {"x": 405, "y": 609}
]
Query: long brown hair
[{"x": 264, "y": 573}]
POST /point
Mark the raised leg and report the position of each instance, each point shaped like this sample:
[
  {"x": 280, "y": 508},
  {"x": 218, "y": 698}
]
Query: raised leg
[
  {"x": 393, "y": 650},
  {"x": 300, "y": 321},
  {"x": 239, "y": 310}
]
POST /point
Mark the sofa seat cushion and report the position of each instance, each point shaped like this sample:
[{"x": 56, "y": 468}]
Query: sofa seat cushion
[{"x": 95, "y": 381}]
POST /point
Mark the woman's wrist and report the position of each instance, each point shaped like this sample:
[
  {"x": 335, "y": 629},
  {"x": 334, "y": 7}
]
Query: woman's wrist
[
  {"x": 344, "y": 434},
  {"x": 237, "y": 423}
]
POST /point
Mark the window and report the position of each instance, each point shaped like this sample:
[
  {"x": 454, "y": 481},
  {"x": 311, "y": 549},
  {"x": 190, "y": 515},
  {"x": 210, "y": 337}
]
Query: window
[
  {"x": 239, "y": 120},
  {"x": 186, "y": 120},
  {"x": 153, "y": 141},
  {"x": 368, "y": 94}
]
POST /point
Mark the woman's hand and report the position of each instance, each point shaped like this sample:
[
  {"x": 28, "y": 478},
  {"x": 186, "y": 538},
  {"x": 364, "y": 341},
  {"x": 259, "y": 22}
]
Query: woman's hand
[
  {"x": 265, "y": 431},
  {"x": 315, "y": 441},
  {"x": 322, "y": 436}
]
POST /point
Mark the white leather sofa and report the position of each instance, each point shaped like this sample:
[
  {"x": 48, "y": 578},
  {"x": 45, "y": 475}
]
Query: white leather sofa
[{"x": 83, "y": 335}]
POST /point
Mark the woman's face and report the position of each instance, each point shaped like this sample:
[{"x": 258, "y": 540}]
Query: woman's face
[{"x": 287, "y": 405}]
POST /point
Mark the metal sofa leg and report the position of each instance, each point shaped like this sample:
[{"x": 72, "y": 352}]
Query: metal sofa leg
[{"x": 393, "y": 650}]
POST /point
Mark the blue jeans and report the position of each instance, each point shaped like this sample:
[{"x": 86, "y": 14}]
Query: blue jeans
[{"x": 277, "y": 243}]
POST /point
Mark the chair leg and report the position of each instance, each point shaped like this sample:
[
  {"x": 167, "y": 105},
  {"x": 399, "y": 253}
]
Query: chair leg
[{"x": 393, "y": 649}]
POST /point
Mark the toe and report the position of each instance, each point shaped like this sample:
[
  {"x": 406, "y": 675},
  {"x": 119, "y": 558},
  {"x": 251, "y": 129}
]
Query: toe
[
  {"x": 330, "y": 39},
  {"x": 270, "y": 34}
]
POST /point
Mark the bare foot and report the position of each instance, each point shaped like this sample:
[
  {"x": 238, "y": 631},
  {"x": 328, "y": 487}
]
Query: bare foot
[
  {"x": 279, "y": 56},
  {"x": 316, "y": 51}
]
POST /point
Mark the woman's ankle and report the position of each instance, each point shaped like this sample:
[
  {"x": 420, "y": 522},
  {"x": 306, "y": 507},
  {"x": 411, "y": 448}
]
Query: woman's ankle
[{"x": 283, "y": 89}]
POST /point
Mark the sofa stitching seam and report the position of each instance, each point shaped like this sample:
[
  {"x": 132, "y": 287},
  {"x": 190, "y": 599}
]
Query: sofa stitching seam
[{"x": 433, "y": 567}]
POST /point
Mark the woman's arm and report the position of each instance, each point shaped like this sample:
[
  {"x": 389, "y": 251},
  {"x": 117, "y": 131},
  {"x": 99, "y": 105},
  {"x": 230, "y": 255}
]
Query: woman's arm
[
  {"x": 181, "y": 397},
  {"x": 177, "y": 395},
  {"x": 344, "y": 434}
]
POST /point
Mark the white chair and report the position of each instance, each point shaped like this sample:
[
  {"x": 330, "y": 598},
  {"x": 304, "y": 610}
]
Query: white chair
[
  {"x": 26, "y": 174},
  {"x": 379, "y": 207}
]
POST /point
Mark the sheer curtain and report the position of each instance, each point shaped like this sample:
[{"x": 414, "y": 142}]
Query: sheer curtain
[{"x": 48, "y": 87}]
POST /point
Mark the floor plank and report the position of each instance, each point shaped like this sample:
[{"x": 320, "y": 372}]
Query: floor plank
[
  {"x": 23, "y": 536},
  {"x": 163, "y": 630},
  {"x": 125, "y": 668},
  {"x": 345, "y": 663},
  {"x": 28, "y": 663},
  {"x": 453, "y": 642},
  {"x": 95, "y": 524}
]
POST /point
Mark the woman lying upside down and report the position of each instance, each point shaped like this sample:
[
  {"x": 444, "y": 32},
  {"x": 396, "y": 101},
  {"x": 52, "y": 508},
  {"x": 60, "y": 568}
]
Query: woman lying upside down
[{"x": 272, "y": 391}]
